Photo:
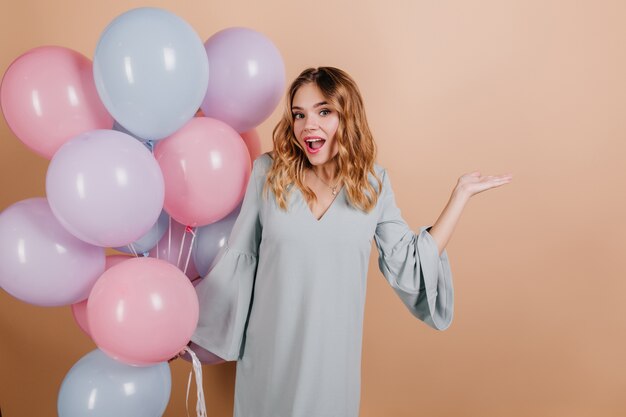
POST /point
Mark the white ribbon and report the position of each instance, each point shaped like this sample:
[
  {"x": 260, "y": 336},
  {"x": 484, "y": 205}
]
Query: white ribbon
[
  {"x": 169, "y": 236},
  {"x": 193, "y": 237},
  {"x": 180, "y": 251},
  {"x": 131, "y": 246},
  {"x": 197, "y": 370}
]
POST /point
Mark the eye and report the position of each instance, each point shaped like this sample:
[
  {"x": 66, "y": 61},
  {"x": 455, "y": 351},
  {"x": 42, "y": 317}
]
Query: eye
[
  {"x": 297, "y": 116},
  {"x": 325, "y": 112}
]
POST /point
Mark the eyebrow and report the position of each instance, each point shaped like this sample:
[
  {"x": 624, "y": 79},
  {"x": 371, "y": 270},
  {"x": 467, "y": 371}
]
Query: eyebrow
[{"x": 321, "y": 103}]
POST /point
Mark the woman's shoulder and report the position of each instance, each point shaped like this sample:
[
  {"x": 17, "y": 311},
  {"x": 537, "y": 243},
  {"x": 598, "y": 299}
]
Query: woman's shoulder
[
  {"x": 263, "y": 162},
  {"x": 379, "y": 170}
]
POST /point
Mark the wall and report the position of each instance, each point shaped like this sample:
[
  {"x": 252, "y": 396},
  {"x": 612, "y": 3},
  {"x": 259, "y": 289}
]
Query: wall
[{"x": 535, "y": 88}]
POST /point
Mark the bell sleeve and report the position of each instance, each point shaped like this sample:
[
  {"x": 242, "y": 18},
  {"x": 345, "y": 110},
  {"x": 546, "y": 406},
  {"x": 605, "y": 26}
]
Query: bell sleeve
[
  {"x": 225, "y": 293},
  {"x": 412, "y": 265}
]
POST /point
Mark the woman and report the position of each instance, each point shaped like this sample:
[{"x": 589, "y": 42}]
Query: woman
[{"x": 285, "y": 297}]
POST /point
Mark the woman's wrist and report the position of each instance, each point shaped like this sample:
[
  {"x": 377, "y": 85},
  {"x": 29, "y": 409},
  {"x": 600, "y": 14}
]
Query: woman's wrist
[{"x": 460, "y": 195}]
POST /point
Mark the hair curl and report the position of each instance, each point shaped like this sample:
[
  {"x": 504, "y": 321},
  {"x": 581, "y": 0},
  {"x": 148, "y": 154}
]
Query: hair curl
[{"x": 357, "y": 150}]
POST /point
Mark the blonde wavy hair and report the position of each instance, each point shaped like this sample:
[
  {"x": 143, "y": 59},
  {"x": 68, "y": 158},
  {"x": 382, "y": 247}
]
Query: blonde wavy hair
[{"x": 357, "y": 150}]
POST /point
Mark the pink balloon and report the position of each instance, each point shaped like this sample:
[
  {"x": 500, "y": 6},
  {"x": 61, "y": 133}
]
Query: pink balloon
[
  {"x": 48, "y": 96},
  {"x": 253, "y": 143},
  {"x": 79, "y": 310},
  {"x": 169, "y": 249},
  {"x": 105, "y": 188},
  {"x": 142, "y": 311},
  {"x": 206, "y": 167}
]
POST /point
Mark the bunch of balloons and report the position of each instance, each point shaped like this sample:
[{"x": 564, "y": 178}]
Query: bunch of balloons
[{"x": 150, "y": 151}]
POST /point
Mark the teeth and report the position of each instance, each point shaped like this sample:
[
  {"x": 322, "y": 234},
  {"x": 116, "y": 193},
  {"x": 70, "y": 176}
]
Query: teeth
[{"x": 314, "y": 140}]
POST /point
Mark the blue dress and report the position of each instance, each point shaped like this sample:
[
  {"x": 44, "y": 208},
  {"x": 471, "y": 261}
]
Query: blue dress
[{"x": 285, "y": 297}]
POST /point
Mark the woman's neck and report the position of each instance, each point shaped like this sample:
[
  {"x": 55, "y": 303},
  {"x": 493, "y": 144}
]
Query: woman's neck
[{"x": 326, "y": 172}]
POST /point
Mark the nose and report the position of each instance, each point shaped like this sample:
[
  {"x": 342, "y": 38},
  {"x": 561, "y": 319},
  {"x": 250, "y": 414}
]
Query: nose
[{"x": 311, "y": 123}]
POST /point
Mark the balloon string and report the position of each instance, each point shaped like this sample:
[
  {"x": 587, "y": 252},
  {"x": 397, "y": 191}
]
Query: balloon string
[
  {"x": 169, "y": 237},
  {"x": 160, "y": 236},
  {"x": 132, "y": 249},
  {"x": 193, "y": 237},
  {"x": 197, "y": 370},
  {"x": 187, "y": 397},
  {"x": 150, "y": 144},
  {"x": 180, "y": 251}
]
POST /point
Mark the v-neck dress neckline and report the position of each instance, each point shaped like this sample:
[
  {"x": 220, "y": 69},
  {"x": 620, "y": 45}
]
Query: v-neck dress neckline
[{"x": 328, "y": 209}]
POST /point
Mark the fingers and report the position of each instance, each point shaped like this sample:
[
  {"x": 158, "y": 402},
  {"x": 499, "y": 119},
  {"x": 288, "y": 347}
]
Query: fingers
[
  {"x": 498, "y": 181},
  {"x": 473, "y": 183},
  {"x": 504, "y": 178},
  {"x": 497, "y": 178}
]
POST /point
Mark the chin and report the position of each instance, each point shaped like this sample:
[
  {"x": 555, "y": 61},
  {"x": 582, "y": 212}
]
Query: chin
[{"x": 318, "y": 159}]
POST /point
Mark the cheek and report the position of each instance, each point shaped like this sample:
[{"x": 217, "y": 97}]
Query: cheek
[
  {"x": 332, "y": 127},
  {"x": 297, "y": 129}
]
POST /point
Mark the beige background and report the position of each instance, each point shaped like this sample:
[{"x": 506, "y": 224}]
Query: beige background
[{"x": 531, "y": 87}]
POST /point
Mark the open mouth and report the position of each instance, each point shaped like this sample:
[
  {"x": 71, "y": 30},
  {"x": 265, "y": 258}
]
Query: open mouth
[{"x": 313, "y": 145}]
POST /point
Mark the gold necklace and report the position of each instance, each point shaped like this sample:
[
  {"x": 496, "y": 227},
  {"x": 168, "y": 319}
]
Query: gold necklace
[{"x": 333, "y": 188}]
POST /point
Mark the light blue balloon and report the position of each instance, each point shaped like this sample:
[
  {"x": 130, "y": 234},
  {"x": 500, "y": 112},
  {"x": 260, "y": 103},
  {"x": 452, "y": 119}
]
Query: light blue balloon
[
  {"x": 151, "y": 71},
  {"x": 210, "y": 239},
  {"x": 117, "y": 126},
  {"x": 98, "y": 386},
  {"x": 150, "y": 239}
]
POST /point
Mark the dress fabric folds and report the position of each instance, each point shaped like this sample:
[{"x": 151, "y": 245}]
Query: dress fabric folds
[{"x": 285, "y": 297}]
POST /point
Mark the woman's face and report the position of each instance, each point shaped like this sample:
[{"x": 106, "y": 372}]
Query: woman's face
[{"x": 314, "y": 124}]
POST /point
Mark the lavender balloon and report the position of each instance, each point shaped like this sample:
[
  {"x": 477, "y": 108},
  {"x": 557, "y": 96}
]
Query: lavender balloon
[
  {"x": 210, "y": 239},
  {"x": 150, "y": 239},
  {"x": 42, "y": 263},
  {"x": 247, "y": 78},
  {"x": 105, "y": 188}
]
